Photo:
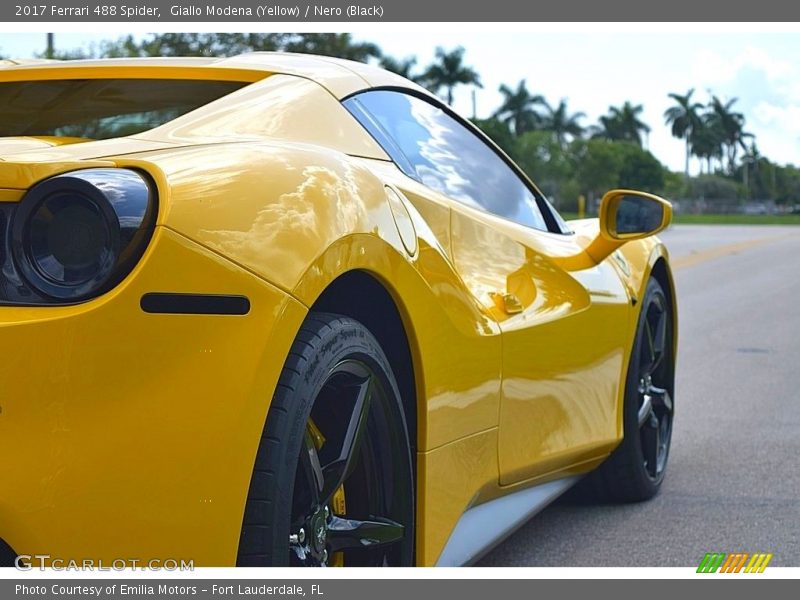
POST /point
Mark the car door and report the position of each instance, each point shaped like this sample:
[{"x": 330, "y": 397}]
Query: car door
[{"x": 563, "y": 330}]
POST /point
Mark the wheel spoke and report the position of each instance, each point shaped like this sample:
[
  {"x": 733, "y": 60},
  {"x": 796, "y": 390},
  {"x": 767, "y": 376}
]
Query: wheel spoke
[
  {"x": 344, "y": 534},
  {"x": 309, "y": 460},
  {"x": 338, "y": 470},
  {"x": 645, "y": 410},
  {"x": 660, "y": 332},
  {"x": 301, "y": 553},
  {"x": 648, "y": 347},
  {"x": 660, "y": 398},
  {"x": 655, "y": 334},
  {"x": 656, "y": 448},
  {"x": 650, "y": 443}
]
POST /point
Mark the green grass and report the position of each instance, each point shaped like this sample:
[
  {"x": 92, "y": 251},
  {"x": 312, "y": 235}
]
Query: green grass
[{"x": 724, "y": 219}]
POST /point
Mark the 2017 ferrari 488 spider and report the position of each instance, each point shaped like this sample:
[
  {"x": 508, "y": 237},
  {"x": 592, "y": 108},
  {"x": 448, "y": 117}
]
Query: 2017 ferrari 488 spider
[{"x": 280, "y": 309}]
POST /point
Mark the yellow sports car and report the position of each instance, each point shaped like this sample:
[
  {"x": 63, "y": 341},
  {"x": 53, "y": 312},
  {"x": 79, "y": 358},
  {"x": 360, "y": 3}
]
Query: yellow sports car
[{"x": 290, "y": 310}]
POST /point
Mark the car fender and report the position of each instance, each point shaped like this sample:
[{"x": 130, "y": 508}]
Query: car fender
[{"x": 300, "y": 216}]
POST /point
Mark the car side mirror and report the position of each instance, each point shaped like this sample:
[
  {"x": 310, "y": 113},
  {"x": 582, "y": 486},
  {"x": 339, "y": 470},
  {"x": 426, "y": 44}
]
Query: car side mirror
[{"x": 627, "y": 215}]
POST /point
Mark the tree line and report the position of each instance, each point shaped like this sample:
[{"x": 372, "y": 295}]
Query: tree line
[{"x": 566, "y": 157}]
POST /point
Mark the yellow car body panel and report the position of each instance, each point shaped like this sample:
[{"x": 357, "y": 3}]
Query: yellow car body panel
[
  {"x": 340, "y": 78},
  {"x": 11, "y": 195},
  {"x": 124, "y": 454},
  {"x": 519, "y": 341},
  {"x": 281, "y": 107},
  {"x": 564, "y": 343}
]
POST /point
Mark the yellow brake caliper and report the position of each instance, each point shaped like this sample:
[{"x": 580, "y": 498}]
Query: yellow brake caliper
[{"x": 338, "y": 505}]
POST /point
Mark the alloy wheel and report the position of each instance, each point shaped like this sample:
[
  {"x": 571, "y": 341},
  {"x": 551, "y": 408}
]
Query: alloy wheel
[
  {"x": 655, "y": 381},
  {"x": 350, "y": 502}
]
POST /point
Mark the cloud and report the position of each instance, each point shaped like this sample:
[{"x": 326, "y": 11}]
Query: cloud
[
  {"x": 713, "y": 68},
  {"x": 767, "y": 85},
  {"x": 780, "y": 135}
]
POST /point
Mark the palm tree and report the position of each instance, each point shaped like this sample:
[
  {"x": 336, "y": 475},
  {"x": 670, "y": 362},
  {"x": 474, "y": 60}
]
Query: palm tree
[
  {"x": 731, "y": 127},
  {"x": 750, "y": 160},
  {"x": 684, "y": 119},
  {"x": 449, "y": 71},
  {"x": 401, "y": 66},
  {"x": 707, "y": 141},
  {"x": 623, "y": 123},
  {"x": 518, "y": 109},
  {"x": 561, "y": 123},
  {"x": 339, "y": 45},
  {"x": 193, "y": 44}
]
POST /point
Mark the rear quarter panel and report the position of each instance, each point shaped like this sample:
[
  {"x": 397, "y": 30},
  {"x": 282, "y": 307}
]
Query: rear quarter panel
[{"x": 299, "y": 216}]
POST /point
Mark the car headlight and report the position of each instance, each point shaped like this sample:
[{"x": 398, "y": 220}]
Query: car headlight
[{"x": 76, "y": 235}]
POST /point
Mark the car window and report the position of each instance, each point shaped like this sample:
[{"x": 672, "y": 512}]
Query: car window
[
  {"x": 100, "y": 108},
  {"x": 443, "y": 154}
]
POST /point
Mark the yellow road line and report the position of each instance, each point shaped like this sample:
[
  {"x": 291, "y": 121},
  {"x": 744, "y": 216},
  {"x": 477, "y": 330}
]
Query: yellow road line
[{"x": 720, "y": 251}]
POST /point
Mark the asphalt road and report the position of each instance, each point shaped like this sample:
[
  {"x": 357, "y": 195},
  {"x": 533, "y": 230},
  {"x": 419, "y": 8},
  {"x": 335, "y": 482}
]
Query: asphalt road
[{"x": 733, "y": 481}]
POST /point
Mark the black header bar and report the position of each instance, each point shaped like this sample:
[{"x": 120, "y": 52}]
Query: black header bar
[{"x": 338, "y": 11}]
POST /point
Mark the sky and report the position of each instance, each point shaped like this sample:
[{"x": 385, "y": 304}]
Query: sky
[{"x": 593, "y": 70}]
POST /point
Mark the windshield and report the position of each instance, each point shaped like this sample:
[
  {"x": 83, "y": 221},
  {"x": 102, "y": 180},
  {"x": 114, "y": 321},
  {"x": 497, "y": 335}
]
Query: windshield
[{"x": 101, "y": 108}]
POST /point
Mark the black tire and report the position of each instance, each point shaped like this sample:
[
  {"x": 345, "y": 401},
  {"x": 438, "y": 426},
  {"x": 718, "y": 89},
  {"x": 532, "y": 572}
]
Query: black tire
[
  {"x": 336, "y": 382},
  {"x": 635, "y": 470}
]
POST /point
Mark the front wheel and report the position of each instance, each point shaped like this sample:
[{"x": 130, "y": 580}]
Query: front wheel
[
  {"x": 636, "y": 469},
  {"x": 333, "y": 482}
]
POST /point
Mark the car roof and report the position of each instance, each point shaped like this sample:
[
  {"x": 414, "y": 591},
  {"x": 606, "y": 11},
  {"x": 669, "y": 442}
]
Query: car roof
[{"x": 340, "y": 77}]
